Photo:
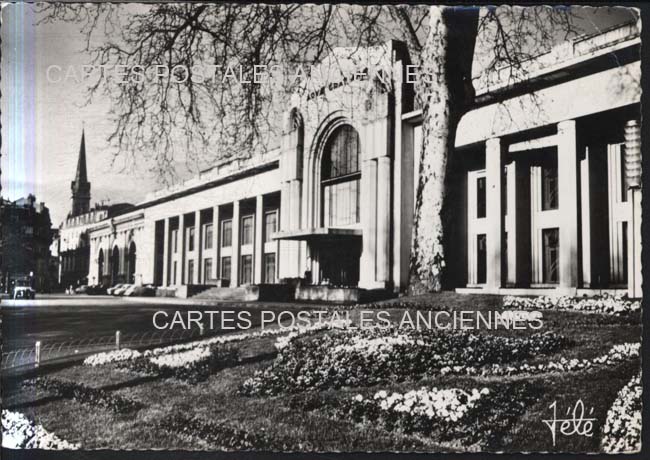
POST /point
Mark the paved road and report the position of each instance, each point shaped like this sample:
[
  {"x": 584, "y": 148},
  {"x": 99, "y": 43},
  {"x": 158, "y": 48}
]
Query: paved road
[{"x": 54, "y": 319}]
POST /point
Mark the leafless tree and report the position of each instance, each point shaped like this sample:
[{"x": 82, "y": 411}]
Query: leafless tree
[{"x": 206, "y": 121}]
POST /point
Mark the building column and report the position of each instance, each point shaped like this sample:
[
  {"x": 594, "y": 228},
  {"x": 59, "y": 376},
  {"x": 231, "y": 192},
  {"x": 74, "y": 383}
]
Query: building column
[
  {"x": 567, "y": 174},
  {"x": 234, "y": 258},
  {"x": 181, "y": 236},
  {"x": 165, "y": 275},
  {"x": 258, "y": 249},
  {"x": 198, "y": 241},
  {"x": 383, "y": 219},
  {"x": 494, "y": 212},
  {"x": 367, "y": 263},
  {"x": 216, "y": 230},
  {"x": 511, "y": 223}
]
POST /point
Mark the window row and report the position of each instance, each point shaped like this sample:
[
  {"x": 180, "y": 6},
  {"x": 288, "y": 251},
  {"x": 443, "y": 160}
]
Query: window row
[{"x": 246, "y": 232}]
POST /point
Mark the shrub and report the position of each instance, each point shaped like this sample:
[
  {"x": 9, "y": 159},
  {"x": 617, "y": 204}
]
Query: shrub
[{"x": 622, "y": 429}]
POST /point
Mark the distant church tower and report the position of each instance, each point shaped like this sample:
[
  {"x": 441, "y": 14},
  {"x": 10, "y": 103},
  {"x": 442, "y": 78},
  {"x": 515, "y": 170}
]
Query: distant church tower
[{"x": 80, "y": 185}]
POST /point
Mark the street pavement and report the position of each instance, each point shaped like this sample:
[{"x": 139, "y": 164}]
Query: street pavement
[{"x": 60, "y": 318}]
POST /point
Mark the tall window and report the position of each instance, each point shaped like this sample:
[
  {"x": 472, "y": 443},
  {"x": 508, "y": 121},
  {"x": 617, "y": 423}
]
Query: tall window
[
  {"x": 341, "y": 178},
  {"x": 207, "y": 269},
  {"x": 551, "y": 243},
  {"x": 190, "y": 271},
  {"x": 481, "y": 258},
  {"x": 246, "y": 269},
  {"x": 175, "y": 240},
  {"x": 246, "y": 230},
  {"x": 225, "y": 268},
  {"x": 207, "y": 236},
  {"x": 270, "y": 224},
  {"x": 480, "y": 197},
  {"x": 190, "y": 239},
  {"x": 174, "y": 273},
  {"x": 549, "y": 187},
  {"x": 226, "y": 233},
  {"x": 624, "y": 184},
  {"x": 269, "y": 267}
]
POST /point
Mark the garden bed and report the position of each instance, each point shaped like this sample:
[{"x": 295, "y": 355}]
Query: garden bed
[{"x": 333, "y": 407}]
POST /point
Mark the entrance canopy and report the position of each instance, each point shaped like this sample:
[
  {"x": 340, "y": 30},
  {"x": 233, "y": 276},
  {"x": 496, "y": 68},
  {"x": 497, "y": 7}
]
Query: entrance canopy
[{"x": 318, "y": 234}]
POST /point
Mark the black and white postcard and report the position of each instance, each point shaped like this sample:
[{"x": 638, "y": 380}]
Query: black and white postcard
[{"x": 320, "y": 228}]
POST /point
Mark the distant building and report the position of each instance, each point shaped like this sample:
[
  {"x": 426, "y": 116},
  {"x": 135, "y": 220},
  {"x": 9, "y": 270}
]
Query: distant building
[
  {"x": 73, "y": 248},
  {"x": 25, "y": 242}
]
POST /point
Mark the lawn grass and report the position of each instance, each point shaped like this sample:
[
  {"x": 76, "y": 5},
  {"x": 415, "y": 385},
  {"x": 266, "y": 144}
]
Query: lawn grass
[{"x": 290, "y": 427}]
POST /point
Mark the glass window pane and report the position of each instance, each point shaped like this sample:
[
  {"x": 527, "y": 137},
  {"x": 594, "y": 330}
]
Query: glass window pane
[
  {"x": 270, "y": 225},
  {"x": 269, "y": 268},
  {"x": 480, "y": 197},
  {"x": 226, "y": 233},
  {"x": 225, "y": 268},
  {"x": 247, "y": 230},
  {"x": 207, "y": 237}
]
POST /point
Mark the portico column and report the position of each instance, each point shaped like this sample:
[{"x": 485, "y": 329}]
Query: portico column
[
  {"x": 198, "y": 241},
  {"x": 494, "y": 212},
  {"x": 234, "y": 258},
  {"x": 367, "y": 263},
  {"x": 181, "y": 231},
  {"x": 215, "y": 242},
  {"x": 258, "y": 249},
  {"x": 165, "y": 277},
  {"x": 567, "y": 174},
  {"x": 633, "y": 178},
  {"x": 383, "y": 219}
]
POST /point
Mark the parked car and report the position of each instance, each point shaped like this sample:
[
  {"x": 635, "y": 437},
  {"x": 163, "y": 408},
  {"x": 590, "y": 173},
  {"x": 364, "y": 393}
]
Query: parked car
[
  {"x": 111, "y": 290},
  {"x": 129, "y": 291},
  {"x": 83, "y": 289},
  {"x": 96, "y": 289},
  {"x": 23, "y": 290},
  {"x": 120, "y": 291}
]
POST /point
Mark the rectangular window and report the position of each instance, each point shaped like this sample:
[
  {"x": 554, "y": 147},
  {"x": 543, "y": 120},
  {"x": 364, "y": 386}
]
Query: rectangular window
[
  {"x": 270, "y": 224},
  {"x": 551, "y": 249},
  {"x": 246, "y": 269},
  {"x": 175, "y": 240},
  {"x": 246, "y": 230},
  {"x": 480, "y": 197},
  {"x": 190, "y": 239},
  {"x": 341, "y": 203},
  {"x": 269, "y": 268},
  {"x": 481, "y": 259},
  {"x": 549, "y": 187},
  {"x": 174, "y": 273},
  {"x": 226, "y": 233},
  {"x": 190, "y": 272},
  {"x": 207, "y": 269},
  {"x": 225, "y": 268},
  {"x": 207, "y": 236},
  {"x": 624, "y": 250}
]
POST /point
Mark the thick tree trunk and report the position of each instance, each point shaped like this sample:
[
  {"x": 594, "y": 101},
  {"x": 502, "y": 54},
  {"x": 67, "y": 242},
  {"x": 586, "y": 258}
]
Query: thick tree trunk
[{"x": 444, "y": 92}]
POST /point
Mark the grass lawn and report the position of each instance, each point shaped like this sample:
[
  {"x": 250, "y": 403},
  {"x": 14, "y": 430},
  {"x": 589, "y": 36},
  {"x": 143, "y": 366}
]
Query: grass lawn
[{"x": 304, "y": 422}]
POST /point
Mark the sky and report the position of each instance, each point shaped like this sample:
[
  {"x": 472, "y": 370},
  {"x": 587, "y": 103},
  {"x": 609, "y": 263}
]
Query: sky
[{"x": 42, "y": 121}]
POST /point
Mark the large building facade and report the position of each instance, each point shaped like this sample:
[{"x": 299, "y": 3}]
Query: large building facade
[{"x": 540, "y": 198}]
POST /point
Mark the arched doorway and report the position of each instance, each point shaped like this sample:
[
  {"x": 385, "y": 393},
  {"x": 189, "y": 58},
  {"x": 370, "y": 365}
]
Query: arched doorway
[
  {"x": 100, "y": 267},
  {"x": 340, "y": 206},
  {"x": 115, "y": 265},
  {"x": 131, "y": 263}
]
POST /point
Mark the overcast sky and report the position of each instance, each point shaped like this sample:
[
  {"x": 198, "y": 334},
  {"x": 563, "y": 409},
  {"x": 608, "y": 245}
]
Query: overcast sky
[{"x": 42, "y": 121}]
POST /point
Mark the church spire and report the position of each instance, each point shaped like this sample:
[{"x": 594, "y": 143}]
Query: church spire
[{"x": 80, "y": 185}]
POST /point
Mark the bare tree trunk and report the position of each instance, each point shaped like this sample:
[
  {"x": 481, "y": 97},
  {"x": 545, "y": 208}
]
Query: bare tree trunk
[{"x": 444, "y": 92}]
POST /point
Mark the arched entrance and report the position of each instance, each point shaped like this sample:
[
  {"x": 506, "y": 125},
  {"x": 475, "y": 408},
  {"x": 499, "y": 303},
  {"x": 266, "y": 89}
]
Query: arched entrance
[
  {"x": 100, "y": 267},
  {"x": 130, "y": 269},
  {"x": 340, "y": 206},
  {"x": 115, "y": 265}
]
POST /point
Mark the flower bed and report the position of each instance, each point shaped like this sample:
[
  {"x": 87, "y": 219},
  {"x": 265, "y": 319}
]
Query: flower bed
[
  {"x": 99, "y": 359},
  {"x": 18, "y": 432},
  {"x": 612, "y": 305},
  {"x": 454, "y": 414},
  {"x": 616, "y": 355},
  {"x": 371, "y": 356},
  {"x": 622, "y": 429},
  {"x": 93, "y": 397},
  {"x": 193, "y": 366}
]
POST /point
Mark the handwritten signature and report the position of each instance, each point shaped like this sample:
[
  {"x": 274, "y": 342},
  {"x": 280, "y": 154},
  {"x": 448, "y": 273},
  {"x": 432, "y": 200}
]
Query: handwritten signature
[{"x": 575, "y": 422}]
